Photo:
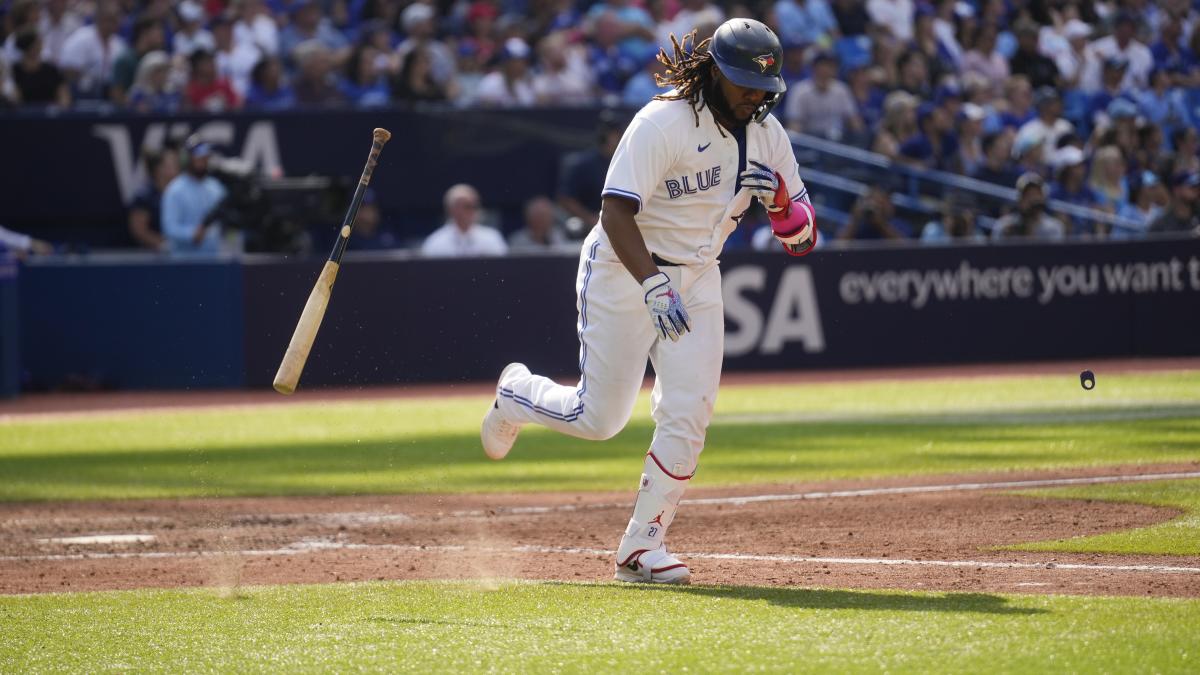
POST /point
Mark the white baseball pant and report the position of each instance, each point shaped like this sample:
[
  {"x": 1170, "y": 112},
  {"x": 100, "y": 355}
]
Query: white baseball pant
[{"x": 616, "y": 337}]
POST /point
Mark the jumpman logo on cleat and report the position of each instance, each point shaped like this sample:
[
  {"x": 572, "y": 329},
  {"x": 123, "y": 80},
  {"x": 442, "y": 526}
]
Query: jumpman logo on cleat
[{"x": 657, "y": 519}]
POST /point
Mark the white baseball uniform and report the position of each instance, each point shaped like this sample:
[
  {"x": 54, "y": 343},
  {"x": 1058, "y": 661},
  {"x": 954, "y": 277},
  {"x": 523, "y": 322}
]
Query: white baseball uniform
[{"x": 684, "y": 178}]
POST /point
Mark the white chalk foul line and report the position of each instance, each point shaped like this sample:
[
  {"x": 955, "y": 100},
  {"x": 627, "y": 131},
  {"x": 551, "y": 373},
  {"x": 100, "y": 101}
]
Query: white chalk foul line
[
  {"x": 316, "y": 546},
  {"x": 839, "y": 494},
  {"x": 955, "y": 487},
  {"x": 100, "y": 539}
]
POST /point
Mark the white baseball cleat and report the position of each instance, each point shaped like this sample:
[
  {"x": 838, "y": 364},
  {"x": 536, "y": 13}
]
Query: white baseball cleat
[
  {"x": 497, "y": 433},
  {"x": 653, "y": 567}
]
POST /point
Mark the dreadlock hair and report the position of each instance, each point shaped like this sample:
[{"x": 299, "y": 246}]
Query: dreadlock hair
[{"x": 689, "y": 72}]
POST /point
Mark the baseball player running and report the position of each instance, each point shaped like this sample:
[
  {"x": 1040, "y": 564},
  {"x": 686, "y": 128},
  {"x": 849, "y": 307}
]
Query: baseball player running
[{"x": 649, "y": 286}]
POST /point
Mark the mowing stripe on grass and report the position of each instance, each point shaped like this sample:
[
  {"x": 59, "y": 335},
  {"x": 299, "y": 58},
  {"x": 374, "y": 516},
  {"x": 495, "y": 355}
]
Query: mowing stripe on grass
[
  {"x": 305, "y": 547},
  {"x": 838, "y": 494},
  {"x": 1018, "y": 414}
]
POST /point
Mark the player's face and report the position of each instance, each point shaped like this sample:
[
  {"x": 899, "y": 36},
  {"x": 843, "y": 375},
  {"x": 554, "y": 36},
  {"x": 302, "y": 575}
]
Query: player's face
[
  {"x": 741, "y": 102},
  {"x": 198, "y": 165}
]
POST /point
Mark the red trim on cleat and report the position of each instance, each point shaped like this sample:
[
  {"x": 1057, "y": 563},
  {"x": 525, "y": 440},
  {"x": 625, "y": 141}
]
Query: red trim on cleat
[{"x": 633, "y": 556}]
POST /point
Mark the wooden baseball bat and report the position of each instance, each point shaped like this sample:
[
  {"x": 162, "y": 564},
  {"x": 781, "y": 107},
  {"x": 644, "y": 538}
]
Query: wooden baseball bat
[{"x": 296, "y": 355}]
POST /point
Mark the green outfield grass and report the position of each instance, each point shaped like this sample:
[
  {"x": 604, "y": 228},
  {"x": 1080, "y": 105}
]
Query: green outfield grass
[
  {"x": 549, "y": 627},
  {"x": 761, "y": 434},
  {"x": 1179, "y": 536}
]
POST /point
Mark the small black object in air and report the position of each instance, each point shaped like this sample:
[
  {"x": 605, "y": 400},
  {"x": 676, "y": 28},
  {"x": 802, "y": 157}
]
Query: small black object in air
[{"x": 1087, "y": 380}]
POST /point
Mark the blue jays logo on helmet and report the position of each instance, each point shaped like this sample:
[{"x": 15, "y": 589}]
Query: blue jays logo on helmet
[{"x": 765, "y": 61}]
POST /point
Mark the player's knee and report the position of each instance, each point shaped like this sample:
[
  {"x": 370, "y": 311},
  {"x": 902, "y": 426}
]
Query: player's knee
[
  {"x": 606, "y": 429},
  {"x": 601, "y": 427},
  {"x": 601, "y": 419}
]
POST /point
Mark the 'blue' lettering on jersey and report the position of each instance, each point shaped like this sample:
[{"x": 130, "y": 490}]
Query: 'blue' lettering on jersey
[{"x": 705, "y": 180}]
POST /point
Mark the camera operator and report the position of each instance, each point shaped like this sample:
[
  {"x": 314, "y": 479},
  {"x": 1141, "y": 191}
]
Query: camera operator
[
  {"x": 1030, "y": 219},
  {"x": 873, "y": 217},
  {"x": 189, "y": 206},
  {"x": 273, "y": 215}
]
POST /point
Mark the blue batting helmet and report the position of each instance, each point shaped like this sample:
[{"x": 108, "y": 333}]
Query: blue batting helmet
[{"x": 749, "y": 55}]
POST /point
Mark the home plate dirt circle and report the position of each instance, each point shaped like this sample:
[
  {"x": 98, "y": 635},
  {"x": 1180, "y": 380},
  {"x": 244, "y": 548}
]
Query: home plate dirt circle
[{"x": 928, "y": 533}]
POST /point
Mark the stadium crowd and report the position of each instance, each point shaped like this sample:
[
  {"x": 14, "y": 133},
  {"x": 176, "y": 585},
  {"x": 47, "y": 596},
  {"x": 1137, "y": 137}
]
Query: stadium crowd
[{"x": 1092, "y": 103}]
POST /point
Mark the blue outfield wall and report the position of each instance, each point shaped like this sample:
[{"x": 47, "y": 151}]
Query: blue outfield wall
[
  {"x": 165, "y": 325},
  {"x": 184, "y": 325},
  {"x": 415, "y": 320}
]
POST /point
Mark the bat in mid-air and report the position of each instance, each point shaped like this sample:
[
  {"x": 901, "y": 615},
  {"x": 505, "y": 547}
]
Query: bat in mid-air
[{"x": 314, "y": 310}]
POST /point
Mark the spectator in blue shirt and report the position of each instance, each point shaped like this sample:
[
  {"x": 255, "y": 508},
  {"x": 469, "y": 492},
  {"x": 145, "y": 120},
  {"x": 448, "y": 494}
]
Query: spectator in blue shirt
[
  {"x": 997, "y": 166},
  {"x": 642, "y": 87},
  {"x": 145, "y": 212},
  {"x": 1162, "y": 104},
  {"x": 807, "y": 22},
  {"x": 793, "y": 70},
  {"x": 1110, "y": 89},
  {"x": 634, "y": 25},
  {"x": 370, "y": 231},
  {"x": 794, "y": 67},
  {"x": 268, "y": 90},
  {"x": 613, "y": 66},
  {"x": 874, "y": 217},
  {"x": 362, "y": 83},
  {"x": 308, "y": 24},
  {"x": 1170, "y": 53},
  {"x": 867, "y": 96},
  {"x": 1070, "y": 186},
  {"x": 189, "y": 220},
  {"x": 1148, "y": 197},
  {"x": 581, "y": 176},
  {"x": 949, "y": 96},
  {"x": 934, "y": 146}
]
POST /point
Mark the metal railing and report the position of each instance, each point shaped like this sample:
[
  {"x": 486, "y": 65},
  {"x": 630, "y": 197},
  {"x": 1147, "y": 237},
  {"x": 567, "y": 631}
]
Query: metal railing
[{"x": 837, "y": 158}]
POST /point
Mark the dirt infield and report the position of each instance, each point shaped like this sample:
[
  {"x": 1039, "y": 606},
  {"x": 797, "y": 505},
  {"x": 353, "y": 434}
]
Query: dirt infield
[{"x": 866, "y": 534}]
